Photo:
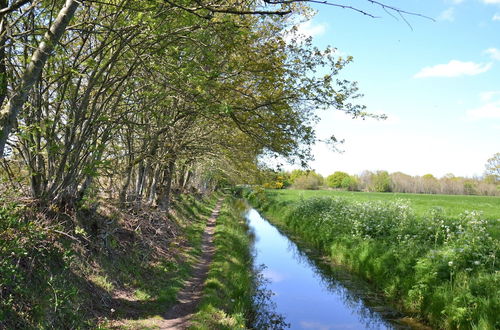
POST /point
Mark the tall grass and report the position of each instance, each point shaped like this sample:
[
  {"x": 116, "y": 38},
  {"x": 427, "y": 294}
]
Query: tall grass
[{"x": 442, "y": 269}]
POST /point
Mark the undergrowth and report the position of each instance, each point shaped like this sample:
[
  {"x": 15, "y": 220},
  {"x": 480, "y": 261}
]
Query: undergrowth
[
  {"x": 37, "y": 286},
  {"x": 443, "y": 270},
  {"x": 87, "y": 268}
]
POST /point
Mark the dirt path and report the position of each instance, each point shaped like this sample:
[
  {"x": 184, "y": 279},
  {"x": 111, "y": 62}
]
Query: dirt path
[{"x": 179, "y": 315}]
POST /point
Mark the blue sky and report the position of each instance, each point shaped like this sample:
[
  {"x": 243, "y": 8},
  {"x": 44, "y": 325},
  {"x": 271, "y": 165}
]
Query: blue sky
[{"x": 438, "y": 81}]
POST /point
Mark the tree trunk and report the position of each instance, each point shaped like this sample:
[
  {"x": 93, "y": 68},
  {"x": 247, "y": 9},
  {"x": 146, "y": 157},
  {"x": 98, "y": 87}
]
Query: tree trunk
[
  {"x": 31, "y": 75},
  {"x": 164, "y": 196},
  {"x": 186, "y": 179},
  {"x": 3, "y": 68},
  {"x": 126, "y": 184},
  {"x": 141, "y": 173},
  {"x": 152, "y": 189}
]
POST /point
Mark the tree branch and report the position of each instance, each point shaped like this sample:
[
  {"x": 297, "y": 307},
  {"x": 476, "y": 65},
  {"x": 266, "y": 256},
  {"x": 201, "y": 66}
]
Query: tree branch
[{"x": 13, "y": 7}]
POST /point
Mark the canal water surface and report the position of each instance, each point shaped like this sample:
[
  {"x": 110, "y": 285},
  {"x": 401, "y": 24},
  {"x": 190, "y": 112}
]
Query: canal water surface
[{"x": 303, "y": 294}]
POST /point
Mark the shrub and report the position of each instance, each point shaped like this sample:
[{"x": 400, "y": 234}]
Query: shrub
[{"x": 37, "y": 290}]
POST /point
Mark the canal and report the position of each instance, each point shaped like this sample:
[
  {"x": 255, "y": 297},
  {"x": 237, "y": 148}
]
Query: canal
[{"x": 307, "y": 295}]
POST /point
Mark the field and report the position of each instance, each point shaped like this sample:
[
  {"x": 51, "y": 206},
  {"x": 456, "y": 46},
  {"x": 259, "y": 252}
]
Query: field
[
  {"x": 453, "y": 205},
  {"x": 435, "y": 256}
]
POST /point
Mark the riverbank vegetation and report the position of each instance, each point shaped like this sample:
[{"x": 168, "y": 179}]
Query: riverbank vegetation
[{"x": 443, "y": 269}]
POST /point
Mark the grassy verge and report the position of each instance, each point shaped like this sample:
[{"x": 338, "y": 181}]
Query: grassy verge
[
  {"x": 227, "y": 301},
  {"x": 91, "y": 269},
  {"x": 443, "y": 269}
]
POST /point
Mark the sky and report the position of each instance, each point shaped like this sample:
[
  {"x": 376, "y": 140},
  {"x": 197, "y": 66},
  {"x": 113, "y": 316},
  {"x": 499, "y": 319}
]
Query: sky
[{"x": 437, "y": 81}]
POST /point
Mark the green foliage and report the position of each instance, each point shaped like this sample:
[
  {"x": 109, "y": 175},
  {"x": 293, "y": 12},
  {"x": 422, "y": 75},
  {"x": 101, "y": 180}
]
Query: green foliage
[
  {"x": 350, "y": 183},
  {"x": 336, "y": 179},
  {"x": 493, "y": 166},
  {"x": 276, "y": 180},
  {"x": 380, "y": 182},
  {"x": 469, "y": 188},
  {"x": 296, "y": 174},
  {"x": 445, "y": 269},
  {"x": 453, "y": 205},
  {"x": 37, "y": 288},
  {"x": 429, "y": 177}
]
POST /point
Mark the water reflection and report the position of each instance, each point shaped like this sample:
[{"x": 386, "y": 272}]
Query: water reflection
[{"x": 307, "y": 292}]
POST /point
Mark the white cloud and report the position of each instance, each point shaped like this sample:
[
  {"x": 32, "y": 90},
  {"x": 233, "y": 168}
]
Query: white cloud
[
  {"x": 453, "y": 69},
  {"x": 490, "y": 110},
  {"x": 310, "y": 29},
  {"x": 489, "y": 95},
  {"x": 491, "y": 1},
  {"x": 304, "y": 30},
  {"x": 494, "y": 53},
  {"x": 447, "y": 15},
  {"x": 496, "y": 17},
  {"x": 456, "y": 2}
]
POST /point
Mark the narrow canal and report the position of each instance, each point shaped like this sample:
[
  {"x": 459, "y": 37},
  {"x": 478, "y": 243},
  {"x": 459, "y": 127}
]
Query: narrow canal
[{"x": 303, "y": 294}]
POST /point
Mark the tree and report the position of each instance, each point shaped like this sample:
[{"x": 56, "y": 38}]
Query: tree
[
  {"x": 493, "y": 166},
  {"x": 381, "y": 182},
  {"x": 296, "y": 174},
  {"x": 430, "y": 185},
  {"x": 350, "y": 183},
  {"x": 143, "y": 98},
  {"x": 210, "y": 11},
  {"x": 335, "y": 180},
  {"x": 31, "y": 75}
]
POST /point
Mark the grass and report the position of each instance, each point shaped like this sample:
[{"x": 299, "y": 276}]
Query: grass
[
  {"x": 227, "y": 301},
  {"x": 436, "y": 265},
  {"x": 453, "y": 205}
]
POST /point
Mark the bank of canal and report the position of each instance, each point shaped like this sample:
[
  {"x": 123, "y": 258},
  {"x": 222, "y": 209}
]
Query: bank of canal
[{"x": 309, "y": 296}]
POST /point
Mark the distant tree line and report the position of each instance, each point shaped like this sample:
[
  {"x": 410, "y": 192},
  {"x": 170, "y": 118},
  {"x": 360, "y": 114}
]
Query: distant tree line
[{"x": 383, "y": 181}]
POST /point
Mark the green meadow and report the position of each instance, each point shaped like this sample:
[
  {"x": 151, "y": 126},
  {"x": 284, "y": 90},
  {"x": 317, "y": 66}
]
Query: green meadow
[{"x": 452, "y": 205}]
